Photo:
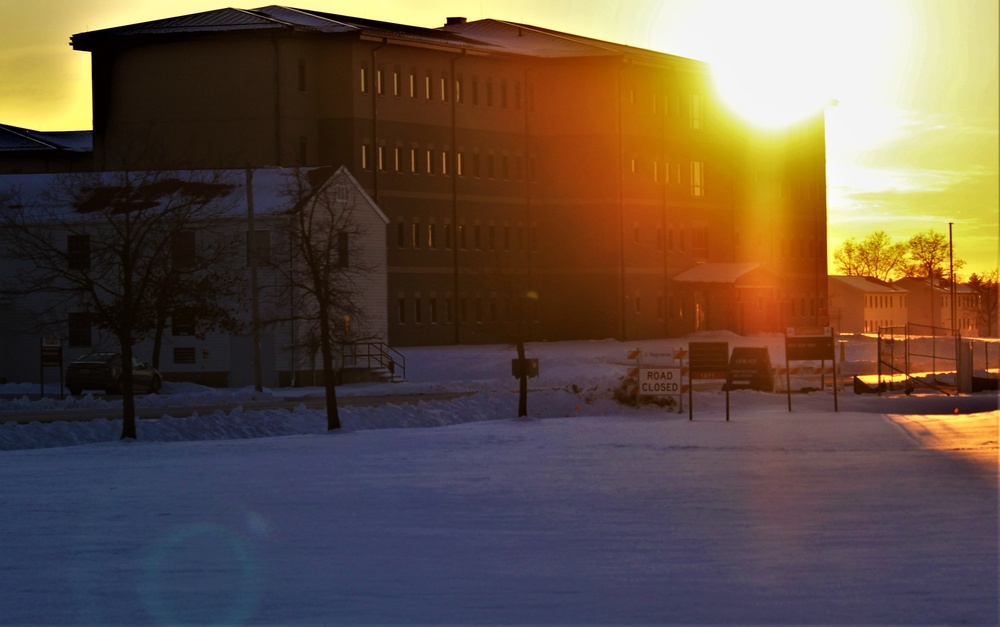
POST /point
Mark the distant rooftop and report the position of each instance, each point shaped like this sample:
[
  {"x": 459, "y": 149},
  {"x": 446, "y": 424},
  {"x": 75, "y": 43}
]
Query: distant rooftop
[
  {"x": 866, "y": 284},
  {"x": 17, "y": 139},
  {"x": 488, "y": 35}
]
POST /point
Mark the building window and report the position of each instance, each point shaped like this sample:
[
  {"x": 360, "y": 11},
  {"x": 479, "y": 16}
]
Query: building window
[
  {"x": 447, "y": 236},
  {"x": 395, "y": 82},
  {"x": 444, "y": 88},
  {"x": 401, "y": 309},
  {"x": 379, "y": 82},
  {"x": 78, "y": 252},
  {"x": 79, "y": 327},
  {"x": 432, "y": 313},
  {"x": 430, "y": 161},
  {"x": 413, "y": 160},
  {"x": 461, "y": 236},
  {"x": 182, "y": 323},
  {"x": 444, "y": 162},
  {"x": 428, "y": 94},
  {"x": 415, "y": 235},
  {"x": 182, "y": 249},
  {"x": 697, "y": 178},
  {"x": 343, "y": 250},
  {"x": 458, "y": 91},
  {"x": 397, "y": 165},
  {"x": 263, "y": 245},
  {"x": 430, "y": 236},
  {"x": 380, "y": 154},
  {"x": 413, "y": 83},
  {"x": 364, "y": 80},
  {"x": 364, "y": 157},
  {"x": 696, "y": 112},
  {"x": 184, "y": 355},
  {"x": 458, "y": 164}
]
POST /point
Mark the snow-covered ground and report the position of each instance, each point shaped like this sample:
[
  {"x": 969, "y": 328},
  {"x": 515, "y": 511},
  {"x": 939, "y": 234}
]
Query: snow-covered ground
[{"x": 588, "y": 512}]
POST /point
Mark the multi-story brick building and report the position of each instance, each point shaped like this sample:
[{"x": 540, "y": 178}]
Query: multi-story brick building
[{"x": 511, "y": 160}]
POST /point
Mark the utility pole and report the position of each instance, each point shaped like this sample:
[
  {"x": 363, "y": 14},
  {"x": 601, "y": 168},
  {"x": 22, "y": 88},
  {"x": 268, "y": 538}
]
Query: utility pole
[{"x": 258, "y": 379}]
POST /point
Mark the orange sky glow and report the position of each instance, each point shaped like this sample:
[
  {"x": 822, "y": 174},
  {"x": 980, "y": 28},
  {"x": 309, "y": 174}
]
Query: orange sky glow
[{"x": 912, "y": 143}]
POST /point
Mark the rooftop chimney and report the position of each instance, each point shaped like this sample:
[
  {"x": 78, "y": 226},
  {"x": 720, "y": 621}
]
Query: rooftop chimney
[{"x": 453, "y": 21}]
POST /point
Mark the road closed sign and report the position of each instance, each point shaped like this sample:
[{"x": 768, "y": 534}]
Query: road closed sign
[{"x": 659, "y": 381}]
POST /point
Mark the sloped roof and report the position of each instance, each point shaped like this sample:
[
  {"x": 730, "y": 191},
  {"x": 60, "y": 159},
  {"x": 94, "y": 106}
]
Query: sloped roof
[
  {"x": 939, "y": 285},
  {"x": 866, "y": 284},
  {"x": 17, "y": 139},
  {"x": 486, "y": 35},
  {"x": 717, "y": 272},
  {"x": 62, "y": 196}
]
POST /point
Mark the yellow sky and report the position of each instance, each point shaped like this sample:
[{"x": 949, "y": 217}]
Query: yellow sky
[{"x": 912, "y": 144}]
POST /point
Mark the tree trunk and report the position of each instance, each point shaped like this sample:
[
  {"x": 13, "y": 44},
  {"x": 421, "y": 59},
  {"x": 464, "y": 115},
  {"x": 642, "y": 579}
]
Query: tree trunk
[
  {"x": 128, "y": 392},
  {"x": 522, "y": 395},
  {"x": 329, "y": 380}
]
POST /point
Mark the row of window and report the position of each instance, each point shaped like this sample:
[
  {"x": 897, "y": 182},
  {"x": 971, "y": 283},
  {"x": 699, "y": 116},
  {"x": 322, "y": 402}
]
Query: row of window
[
  {"x": 491, "y": 237},
  {"x": 476, "y": 309},
  {"x": 491, "y": 166},
  {"x": 883, "y": 301},
  {"x": 183, "y": 249},
  {"x": 426, "y": 86}
]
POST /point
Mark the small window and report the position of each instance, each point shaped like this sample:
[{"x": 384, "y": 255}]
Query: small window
[
  {"x": 263, "y": 245},
  {"x": 182, "y": 323},
  {"x": 697, "y": 178},
  {"x": 79, "y": 327},
  {"x": 78, "y": 252},
  {"x": 184, "y": 355},
  {"x": 364, "y": 80},
  {"x": 343, "y": 250},
  {"x": 401, "y": 309},
  {"x": 182, "y": 249},
  {"x": 696, "y": 113}
]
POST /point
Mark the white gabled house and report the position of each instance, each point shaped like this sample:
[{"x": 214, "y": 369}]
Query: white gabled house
[
  {"x": 861, "y": 304},
  {"x": 270, "y": 198}
]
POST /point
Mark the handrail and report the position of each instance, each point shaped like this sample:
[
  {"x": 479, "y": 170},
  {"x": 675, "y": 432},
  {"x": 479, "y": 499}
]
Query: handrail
[{"x": 378, "y": 353}]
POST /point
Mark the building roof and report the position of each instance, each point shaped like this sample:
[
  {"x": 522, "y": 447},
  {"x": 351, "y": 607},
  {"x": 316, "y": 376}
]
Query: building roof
[
  {"x": 719, "y": 272},
  {"x": 866, "y": 284},
  {"x": 60, "y": 196},
  {"x": 939, "y": 285},
  {"x": 491, "y": 36},
  {"x": 17, "y": 139}
]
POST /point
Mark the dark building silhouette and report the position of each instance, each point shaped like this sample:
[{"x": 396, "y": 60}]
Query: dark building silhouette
[{"x": 510, "y": 159}]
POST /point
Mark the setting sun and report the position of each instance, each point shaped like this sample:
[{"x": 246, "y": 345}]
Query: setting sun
[{"x": 776, "y": 61}]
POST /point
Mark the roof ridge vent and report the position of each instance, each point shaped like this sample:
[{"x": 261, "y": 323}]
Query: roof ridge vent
[{"x": 454, "y": 21}]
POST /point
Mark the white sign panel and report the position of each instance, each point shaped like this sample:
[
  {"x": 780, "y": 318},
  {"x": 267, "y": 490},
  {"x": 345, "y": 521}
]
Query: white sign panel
[{"x": 659, "y": 382}]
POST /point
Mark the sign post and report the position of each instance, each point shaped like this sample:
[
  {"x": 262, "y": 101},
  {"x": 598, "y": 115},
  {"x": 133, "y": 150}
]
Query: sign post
[
  {"x": 707, "y": 360},
  {"x": 809, "y": 345}
]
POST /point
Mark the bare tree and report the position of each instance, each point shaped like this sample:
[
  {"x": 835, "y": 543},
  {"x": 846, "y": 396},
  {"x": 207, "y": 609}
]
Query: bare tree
[
  {"x": 929, "y": 256},
  {"x": 875, "y": 256},
  {"x": 985, "y": 286},
  {"x": 101, "y": 242},
  {"x": 321, "y": 269}
]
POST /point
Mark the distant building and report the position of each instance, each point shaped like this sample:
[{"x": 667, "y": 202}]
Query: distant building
[
  {"x": 511, "y": 159},
  {"x": 25, "y": 151},
  {"x": 930, "y": 305},
  {"x": 189, "y": 353},
  {"x": 861, "y": 304}
]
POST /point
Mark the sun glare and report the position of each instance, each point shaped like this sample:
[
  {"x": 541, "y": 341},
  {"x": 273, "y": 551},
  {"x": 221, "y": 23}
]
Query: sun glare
[{"x": 777, "y": 61}]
